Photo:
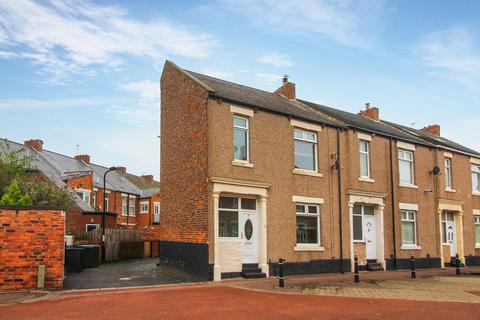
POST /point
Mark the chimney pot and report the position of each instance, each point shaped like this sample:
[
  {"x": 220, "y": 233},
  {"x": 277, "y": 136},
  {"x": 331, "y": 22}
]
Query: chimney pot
[
  {"x": 285, "y": 78},
  {"x": 367, "y": 105},
  {"x": 287, "y": 90},
  {"x": 433, "y": 129},
  {"x": 370, "y": 112},
  {"x": 83, "y": 157},
  {"x": 36, "y": 144}
]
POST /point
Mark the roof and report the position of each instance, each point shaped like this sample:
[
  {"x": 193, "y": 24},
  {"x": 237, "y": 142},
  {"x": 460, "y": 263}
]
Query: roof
[
  {"x": 436, "y": 140},
  {"x": 59, "y": 168},
  {"x": 141, "y": 182},
  {"x": 253, "y": 97},
  {"x": 310, "y": 111}
]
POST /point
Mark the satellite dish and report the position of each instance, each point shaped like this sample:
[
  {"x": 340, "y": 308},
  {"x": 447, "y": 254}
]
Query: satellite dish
[{"x": 436, "y": 170}]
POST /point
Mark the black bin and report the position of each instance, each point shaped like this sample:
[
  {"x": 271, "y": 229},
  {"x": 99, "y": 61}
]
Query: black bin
[
  {"x": 73, "y": 259},
  {"x": 90, "y": 256}
]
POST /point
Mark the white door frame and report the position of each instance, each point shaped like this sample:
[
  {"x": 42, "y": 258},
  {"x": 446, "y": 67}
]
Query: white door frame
[
  {"x": 241, "y": 188},
  {"x": 252, "y": 244},
  {"x": 373, "y": 220},
  {"x": 379, "y": 206}
]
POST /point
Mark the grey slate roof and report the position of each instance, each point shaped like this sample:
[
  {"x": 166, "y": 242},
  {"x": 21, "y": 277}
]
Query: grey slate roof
[
  {"x": 258, "y": 98},
  {"x": 310, "y": 111},
  {"x": 435, "y": 140}
]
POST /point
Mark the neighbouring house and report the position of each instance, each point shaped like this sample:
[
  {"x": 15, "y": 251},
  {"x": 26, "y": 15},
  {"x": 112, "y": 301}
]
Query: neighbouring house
[
  {"x": 131, "y": 200},
  {"x": 250, "y": 176}
]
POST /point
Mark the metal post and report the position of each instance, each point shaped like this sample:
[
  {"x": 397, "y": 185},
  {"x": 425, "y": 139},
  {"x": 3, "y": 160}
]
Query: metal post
[
  {"x": 457, "y": 265},
  {"x": 357, "y": 276},
  {"x": 281, "y": 274},
  {"x": 412, "y": 267}
]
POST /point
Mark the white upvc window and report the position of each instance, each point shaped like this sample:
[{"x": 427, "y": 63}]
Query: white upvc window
[
  {"x": 448, "y": 173},
  {"x": 84, "y": 195},
  {"x": 364, "y": 147},
  {"x": 241, "y": 150},
  {"x": 124, "y": 204},
  {"x": 94, "y": 199},
  {"x": 409, "y": 227},
  {"x": 143, "y": 207},
  {"x": 308, "y": 224},
  {"x": 131, "y": 206},
  {"x": 156, "y": 212},
  {"x": 476, "y": 178},
  {"x": 476, "y": 220},
  {"x": 305, "y": 150},
  {"x": 405, "y": 165}
]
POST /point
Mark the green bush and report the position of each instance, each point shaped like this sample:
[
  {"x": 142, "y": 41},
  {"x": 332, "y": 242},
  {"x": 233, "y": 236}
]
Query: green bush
[{"x": 13, "y": 196}]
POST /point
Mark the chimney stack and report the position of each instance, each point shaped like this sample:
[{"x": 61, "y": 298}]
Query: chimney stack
[
  {"x": 287, "y": 90},
  {"x": 433, "y": 129},
  {"x": 83, "y": 157},
  {"x": 148, "y": 177},
  {"x": 122, "y": 169},
  {"x": 36, "y": 144},
  {"x": 370, "y": 112}
]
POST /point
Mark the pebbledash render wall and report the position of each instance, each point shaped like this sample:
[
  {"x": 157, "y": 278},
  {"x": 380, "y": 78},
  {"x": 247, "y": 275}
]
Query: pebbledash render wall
[
  {"x": 31, "y": 237},
  {"x": 184, "y": 172}
]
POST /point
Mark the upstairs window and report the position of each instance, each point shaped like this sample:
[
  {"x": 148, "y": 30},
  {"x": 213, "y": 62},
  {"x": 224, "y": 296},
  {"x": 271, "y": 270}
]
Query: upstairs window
[
  {"x": 94, "y": 199},
  {"x": 105, "y": 197},
  {"x": 124, "y": 204},
  {"x": 476, "y": 178},
  {"x": 405, "y": 165},
  {"x": 131, "y": 206},
  {"x": 448, "y": 173},
  {"x": 364, "y": 147},
  {"x": 305, "y": 150},
  {"x": 240, "y": 139}
]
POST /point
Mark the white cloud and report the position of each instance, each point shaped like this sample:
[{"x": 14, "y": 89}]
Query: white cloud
[
  {"x": 218, "y": 73},
  {"x": 147, "y": 90},
  {"x": 452, "y": 54},
  {"x": 346, "y": 21},
  {"x": 269, "y": 78},
  {"x": 64, "y": 36},
  {"x": 25, "y": 104},
  {"x": 277, "y": 60}
]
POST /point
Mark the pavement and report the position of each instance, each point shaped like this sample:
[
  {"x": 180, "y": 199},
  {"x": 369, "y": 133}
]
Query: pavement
[{"x": 127, "y": 273}]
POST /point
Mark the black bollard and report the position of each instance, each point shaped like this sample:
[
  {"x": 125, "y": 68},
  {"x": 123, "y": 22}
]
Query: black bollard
[
  {"x": 457, "y": 265},
  {"x": 281, "y": 273},
  {"x": 412, "y": 267},
  {"x": 357, "y": 276}
]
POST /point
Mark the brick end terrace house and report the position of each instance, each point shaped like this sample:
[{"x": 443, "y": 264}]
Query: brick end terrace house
[
  {"x": 132, "y": 200},
  {"x": 250, "y": 176}
]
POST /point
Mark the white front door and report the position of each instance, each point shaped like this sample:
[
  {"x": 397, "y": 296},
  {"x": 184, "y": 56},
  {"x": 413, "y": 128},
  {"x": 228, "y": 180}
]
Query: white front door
[
  {"x": 452, "y": 237},
  {"x": 370, "y": 236},
  {"x": 249, "y": 236}
]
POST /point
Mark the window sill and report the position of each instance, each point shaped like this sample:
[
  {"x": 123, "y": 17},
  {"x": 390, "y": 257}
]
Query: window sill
[
  {"x": 308, "y": 248},
  {"x": 476, "y": 193},
  {"x": 450, "y": 190},
  {"x": 406, "y": 185},
  {"x": 242, "y": 164},
  {"x": 359, "y": 241},
  {"x": 477, "y": 246},
  {"x": 307, "y": 172},
  {"x": 146, "y": 212},
  {"x": 366, "y": 179},
  {"x": 410, "y": 247}
]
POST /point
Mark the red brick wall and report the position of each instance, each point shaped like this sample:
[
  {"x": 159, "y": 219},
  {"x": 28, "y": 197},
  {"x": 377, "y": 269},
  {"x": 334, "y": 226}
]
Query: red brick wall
[
  {"x": 29, "y": 238},
  {"x": 184, "y": 162},
  {"x": 76, "y": 221}
]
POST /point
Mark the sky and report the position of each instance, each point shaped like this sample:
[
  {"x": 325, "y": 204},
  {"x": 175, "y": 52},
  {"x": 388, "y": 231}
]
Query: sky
[{"x": 84, "y": 76}]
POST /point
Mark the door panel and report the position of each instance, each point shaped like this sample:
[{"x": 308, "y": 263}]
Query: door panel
[
  {"x": 370, "y": 237},
  {"x": 249, "y": 236}
]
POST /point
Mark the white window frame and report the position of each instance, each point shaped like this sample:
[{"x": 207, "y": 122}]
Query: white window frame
[
  {"x": 124, "y": 204},
  {"x": 305, "y": 139},
  {"x": 475, "y": 173},
  {"x": 476, "y": 222},
  {"x": 94, "y": 199},
  {"x": 97, "y": 226},
  {"x": 156, "y": 212},
  {"x": 237, "y": 210},
  {"x": 448, "y": 174},
  {"x": 144, "y": 203},
  {"x": 307, "y": 214},
  {"x": 414, "y": 220},
  {"x": 367, "y": 153},
  {"x": 244, "y": 129},
  {"x": 85, "y": 194},
  {"x": 130, "y": 207},
  {"x": 411, "y": 163},
  {"x": 106, "y": 201},
  {"x": 362, "y": 215}
]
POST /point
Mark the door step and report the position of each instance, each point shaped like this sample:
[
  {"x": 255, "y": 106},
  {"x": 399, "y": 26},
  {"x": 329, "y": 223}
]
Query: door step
[
  {"x": 374, "y": 266},
  {"x": 252, "y": 271}
]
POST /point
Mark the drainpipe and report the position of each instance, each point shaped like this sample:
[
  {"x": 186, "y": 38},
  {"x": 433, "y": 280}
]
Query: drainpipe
[
  {"x": 392, "y": 191},
  {"x": 340, "y": 211}
]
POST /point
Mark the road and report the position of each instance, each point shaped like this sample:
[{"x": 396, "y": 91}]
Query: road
[{"x": 222, "y": 302}]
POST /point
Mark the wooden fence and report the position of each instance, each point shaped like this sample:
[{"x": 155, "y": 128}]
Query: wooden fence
[{"x": 119, "y": 243}]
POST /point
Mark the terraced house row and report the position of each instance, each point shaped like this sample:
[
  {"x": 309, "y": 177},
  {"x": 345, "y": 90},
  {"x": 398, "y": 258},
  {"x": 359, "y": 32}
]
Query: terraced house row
[{"x": 250, "y": 176}]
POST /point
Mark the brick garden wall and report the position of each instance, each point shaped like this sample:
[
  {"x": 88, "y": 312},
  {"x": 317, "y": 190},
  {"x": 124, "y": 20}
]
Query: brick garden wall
[{"x": 30, "y": 237}]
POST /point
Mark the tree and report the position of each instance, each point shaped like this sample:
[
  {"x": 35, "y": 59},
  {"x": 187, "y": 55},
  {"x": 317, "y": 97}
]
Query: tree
[
  {"x": 13, "y": 163},
  {"x": 13, "y": 196}
]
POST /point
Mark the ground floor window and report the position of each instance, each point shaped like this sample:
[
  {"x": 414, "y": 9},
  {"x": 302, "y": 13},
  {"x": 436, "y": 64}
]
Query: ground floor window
[
  {"x": 91, "y": 227},
  {"x": 308, "y": 223},
  {"x": 144, "y": 207},
  {"x": 477, "y": 229},
  {"x": 359, "y": 212},
  {"x": 228, "y": 214},
  {"x": 409, "y": 227}
]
